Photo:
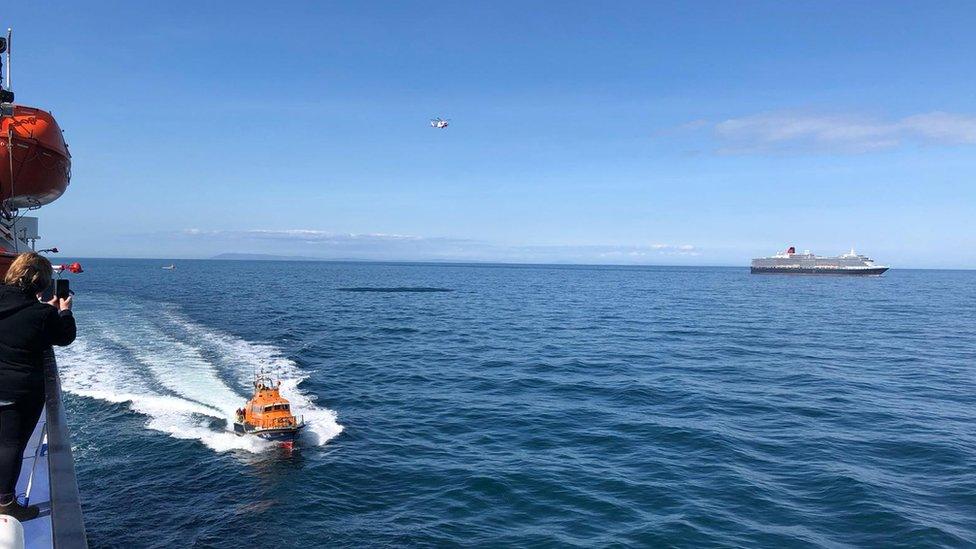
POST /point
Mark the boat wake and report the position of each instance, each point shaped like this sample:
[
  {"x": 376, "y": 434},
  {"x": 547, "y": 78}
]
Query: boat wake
[{"x": 186, "y": 378}]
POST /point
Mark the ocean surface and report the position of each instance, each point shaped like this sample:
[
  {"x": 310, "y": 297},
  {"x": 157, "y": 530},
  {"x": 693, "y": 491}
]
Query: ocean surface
[{"x": 548, "y": 406}]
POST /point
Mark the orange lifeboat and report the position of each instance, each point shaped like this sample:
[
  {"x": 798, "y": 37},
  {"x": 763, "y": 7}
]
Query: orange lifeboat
[
  {"x": 35, "y": 165},
  {"x": 268, "y": 415}
]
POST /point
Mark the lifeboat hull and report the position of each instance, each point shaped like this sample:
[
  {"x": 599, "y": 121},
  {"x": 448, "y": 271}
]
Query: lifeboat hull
[
  {"x": 35, "y": 165},
  {"x": 283, "y": 434}
]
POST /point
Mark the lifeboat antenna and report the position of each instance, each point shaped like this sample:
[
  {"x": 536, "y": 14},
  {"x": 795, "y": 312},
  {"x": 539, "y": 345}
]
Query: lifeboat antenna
[
  {"x": 6, "y": 94},
  {"x": 10, "y": 35},
  {"x": 7, "y": 109}
]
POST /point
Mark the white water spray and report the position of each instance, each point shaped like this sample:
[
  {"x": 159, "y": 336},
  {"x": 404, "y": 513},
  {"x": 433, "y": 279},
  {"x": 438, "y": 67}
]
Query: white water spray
[{"x": 175, "y": 372}]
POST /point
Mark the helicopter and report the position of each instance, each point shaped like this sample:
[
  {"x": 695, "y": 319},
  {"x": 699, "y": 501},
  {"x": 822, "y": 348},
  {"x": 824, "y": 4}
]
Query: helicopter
[{"x": 439, "y": 123}]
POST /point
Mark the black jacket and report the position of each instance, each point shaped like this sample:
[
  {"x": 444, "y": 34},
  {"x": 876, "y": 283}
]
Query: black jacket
[{"x": 27, "y": 328}]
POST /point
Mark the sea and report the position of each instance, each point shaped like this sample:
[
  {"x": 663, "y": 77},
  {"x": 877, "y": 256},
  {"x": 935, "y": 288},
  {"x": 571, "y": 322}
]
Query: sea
[{"x": 485, "y": 405}]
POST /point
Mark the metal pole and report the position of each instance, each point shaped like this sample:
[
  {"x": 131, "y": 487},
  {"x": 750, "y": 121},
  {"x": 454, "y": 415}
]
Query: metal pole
[{"x": 10, "y": 34}]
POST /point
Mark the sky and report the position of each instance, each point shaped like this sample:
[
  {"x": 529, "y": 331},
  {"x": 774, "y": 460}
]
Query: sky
[{"x": 686, "y": 133}]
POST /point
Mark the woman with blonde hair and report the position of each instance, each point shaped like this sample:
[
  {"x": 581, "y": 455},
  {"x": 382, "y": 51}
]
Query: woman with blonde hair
[{"x": 27, "y": 328}]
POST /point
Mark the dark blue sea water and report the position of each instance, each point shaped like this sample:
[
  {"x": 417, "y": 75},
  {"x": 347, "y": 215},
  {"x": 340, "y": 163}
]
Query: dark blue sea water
[{"x": 526, "y": 406}]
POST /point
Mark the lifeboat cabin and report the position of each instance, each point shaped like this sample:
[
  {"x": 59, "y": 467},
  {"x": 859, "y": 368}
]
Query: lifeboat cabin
[{"x": 268, "y": 415}]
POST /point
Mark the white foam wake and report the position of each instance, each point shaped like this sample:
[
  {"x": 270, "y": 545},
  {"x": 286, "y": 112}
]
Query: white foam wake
[{"x": 180, "y": 374}]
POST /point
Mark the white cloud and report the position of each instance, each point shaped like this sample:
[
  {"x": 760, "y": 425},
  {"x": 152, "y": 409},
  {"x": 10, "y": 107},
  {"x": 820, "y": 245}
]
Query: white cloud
[
  {"x": 785, "y": 131},
  {"x": 943, "y": 126},
  {"x": 644, "y": 253}
]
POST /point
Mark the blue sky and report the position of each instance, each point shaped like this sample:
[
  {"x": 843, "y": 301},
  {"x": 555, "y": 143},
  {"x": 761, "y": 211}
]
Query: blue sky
[{"x": 605, "y": 132}]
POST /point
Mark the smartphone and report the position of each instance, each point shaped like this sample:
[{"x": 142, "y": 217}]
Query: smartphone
[{"x": 62, "y": 290}]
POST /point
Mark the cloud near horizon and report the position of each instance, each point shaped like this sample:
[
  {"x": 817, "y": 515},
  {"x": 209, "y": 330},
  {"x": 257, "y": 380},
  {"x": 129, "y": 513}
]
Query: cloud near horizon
[
  {"x": 320, "y": 244},
  {"x": 772, "y": 132}
]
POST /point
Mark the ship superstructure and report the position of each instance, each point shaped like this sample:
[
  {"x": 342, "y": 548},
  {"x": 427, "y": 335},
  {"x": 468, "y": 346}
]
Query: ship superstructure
[
  {"x": 791, "y": 262},
  {"x": 35, "y": 165},
  {"x": 35, "y": 168}
]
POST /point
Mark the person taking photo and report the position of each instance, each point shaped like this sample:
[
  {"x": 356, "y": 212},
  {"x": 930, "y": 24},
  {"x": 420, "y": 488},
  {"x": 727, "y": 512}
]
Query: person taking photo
[{"x": 28, "y": 327}]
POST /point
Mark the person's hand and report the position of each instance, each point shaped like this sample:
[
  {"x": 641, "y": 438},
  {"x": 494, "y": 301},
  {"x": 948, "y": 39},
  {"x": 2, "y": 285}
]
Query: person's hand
[{"x": 60, "y": 304}]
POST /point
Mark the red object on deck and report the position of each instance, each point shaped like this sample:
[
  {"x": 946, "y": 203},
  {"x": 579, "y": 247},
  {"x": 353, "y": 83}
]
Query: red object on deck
[
  {"x": 73, "y": 268},
  {"x": 41, "y": 164},
  {"x": 791, "y": 250}
]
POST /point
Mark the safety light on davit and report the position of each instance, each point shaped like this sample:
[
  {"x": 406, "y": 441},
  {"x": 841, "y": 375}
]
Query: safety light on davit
[{"x": 72, "y": 268}]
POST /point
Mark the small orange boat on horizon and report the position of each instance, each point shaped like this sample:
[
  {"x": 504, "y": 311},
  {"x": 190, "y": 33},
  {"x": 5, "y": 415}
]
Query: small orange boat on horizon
[{"x": 268, "y": 415}]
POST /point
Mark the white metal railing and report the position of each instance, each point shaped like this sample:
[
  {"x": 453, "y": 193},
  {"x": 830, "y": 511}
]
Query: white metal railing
[{"x": 41, "y": 444}]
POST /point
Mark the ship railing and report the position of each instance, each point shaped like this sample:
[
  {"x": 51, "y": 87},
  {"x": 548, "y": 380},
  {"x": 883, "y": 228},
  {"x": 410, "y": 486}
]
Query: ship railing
[
  {"x": 67, "y": 523},
  {"x": 38, "y": 453}
]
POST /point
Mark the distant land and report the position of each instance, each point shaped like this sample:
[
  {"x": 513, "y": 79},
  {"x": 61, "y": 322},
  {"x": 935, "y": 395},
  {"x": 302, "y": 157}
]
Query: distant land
[
  {"x": 272, "y": 257},
  {"x": 426, "y": 261},
  {"x": 267, "y": 257}
]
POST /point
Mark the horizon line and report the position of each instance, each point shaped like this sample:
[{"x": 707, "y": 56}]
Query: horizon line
[{"x": 280, "y": 259}]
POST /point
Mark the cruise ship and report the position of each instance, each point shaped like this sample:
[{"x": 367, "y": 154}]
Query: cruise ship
[{"x": 790, "y": 262}]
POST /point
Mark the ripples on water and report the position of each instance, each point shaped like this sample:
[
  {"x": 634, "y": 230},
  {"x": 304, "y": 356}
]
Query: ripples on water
[
  {"x": 529, "y": 406},
  {"x": 401, "y": 290}
]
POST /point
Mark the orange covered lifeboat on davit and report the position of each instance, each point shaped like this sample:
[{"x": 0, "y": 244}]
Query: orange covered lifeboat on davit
[{"x": 35, "y": 165}]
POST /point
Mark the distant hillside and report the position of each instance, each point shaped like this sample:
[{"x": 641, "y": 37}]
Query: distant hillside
[
  {"x": 271, "y": 257},
  {"x": 264, "y": 257}
]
